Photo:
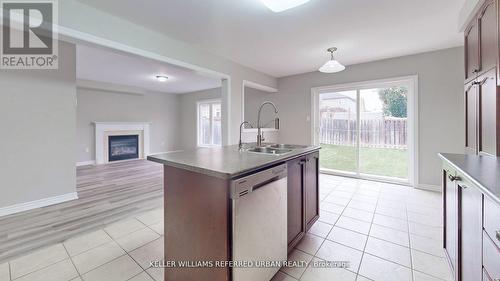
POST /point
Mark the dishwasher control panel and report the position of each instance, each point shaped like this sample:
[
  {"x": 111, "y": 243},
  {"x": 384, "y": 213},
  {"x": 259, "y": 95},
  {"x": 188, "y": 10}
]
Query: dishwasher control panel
[{"x": 245, "y": 185}]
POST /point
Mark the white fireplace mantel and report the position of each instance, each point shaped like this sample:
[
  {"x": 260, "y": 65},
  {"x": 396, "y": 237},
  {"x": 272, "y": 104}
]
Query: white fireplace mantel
[{"x": 101, "y": 128}]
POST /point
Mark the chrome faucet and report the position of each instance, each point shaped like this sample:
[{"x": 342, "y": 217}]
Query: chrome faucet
[
  {"x": 276, "y": 122},
  {"x": 240, "y": 144}
]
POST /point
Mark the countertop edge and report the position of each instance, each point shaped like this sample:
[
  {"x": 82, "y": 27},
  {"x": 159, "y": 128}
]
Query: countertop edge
[
  {"x": 228, "y": 176},
  {"x": 484, "y": 189}
]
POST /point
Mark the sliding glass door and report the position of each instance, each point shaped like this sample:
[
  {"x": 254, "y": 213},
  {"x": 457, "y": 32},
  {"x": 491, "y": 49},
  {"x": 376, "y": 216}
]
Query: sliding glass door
[{"x": 366, "y": 130}]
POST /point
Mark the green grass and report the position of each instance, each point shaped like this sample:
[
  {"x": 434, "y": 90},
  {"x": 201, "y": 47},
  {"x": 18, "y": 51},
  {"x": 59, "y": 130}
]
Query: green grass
[{"x": 376, "y": 161}]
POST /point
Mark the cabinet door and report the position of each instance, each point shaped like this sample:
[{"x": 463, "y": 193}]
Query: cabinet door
[
  {"x": 470, "y": 118},
  {"x": 450, "y": 196},
  {"x": 311, "y": 186},
  {"x": 296, "y": 226},
  {"x": 471, "y": 232},
  {"x": 471, "y": 50},
  {"x": 488, "y": 50},
  {"x": 487, "y": 88}
]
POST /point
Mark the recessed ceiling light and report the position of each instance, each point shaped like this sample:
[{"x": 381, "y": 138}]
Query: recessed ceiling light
[
  {"x": 282, "y": 5},
  {"x": 332, "y": 65},
  {"x": 161, "y": 78}
]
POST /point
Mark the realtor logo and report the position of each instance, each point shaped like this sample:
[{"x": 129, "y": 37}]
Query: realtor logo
[{"x": 29, "y": 38}]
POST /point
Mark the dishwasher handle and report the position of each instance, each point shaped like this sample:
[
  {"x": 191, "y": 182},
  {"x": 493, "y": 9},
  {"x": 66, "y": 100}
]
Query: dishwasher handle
[{"x": 245, "y": 185}]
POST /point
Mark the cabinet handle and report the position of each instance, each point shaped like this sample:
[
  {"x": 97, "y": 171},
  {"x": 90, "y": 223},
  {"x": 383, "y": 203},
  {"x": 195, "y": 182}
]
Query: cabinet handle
[
  {"x": 454, "y": 178},
  {"x": 498, "y": 235}
]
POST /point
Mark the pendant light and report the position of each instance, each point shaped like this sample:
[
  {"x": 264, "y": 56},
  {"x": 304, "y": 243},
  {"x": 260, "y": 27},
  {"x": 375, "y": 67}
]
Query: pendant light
[{"x": 332, "y": 65}]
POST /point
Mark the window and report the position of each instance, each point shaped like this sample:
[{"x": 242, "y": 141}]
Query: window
[{"x": 209, "y": 123}]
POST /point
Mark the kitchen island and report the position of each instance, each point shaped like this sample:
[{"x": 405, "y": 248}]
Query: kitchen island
[{"x": 200, "y": 201}]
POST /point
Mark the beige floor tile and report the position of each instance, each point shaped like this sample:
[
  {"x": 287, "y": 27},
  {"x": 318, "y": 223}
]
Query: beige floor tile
[
  {"x": 4, "y": 272},
  {"x": 362, "y": 205},
  {"x": 378, "y": 269},
  {"x": 427, "y": 245},
  {"x": 156, "y": 273},
  {"x": 332, "y": 208},
  {"x": 331, "y": 251},
  {"x": 77, "y": 279},
  {"x": 98, "y": 256},
  {"x": 320, "y": 229},
  {"x": 391, "y": 222},
  {"x": 151, "y": 217},
  {"x": 142, "y": 277},
  {"x": 37, "y": 260},
  {"x": 337, "y": 200},
  {"x": 354, "y": 225},
  {"x": 152, "y": 251},
  {"x": 310, "y": 244},
  {"x": 389, "y": 234},
  {"x": 389, "y": 251},
  {"x": 327, "y": 274},
  {"x": 347, "y": 237},
  {"x": 358, "y": 214},
  {"x": 120, "y": 269},
  {"x": 158, "y": 227},
  {"x": 435, "y": 220},
  {"x": 86, "y": 242},
  {"x": 391, "y": 212},
  {"x": 61, "y": 271},
  {"x": 297, "y": 256},
  {"x": 419, "y": 276},
  {"x": 432, "y": 232},
  {"x": 327, "y": 217},
  {"x": 362, "y": 278},
  {"x": 136, "y": 239},
  {"x": 123, "y": 227},
  {"x": 280, "y": 276},
  {"x": 431, "y": 265}
]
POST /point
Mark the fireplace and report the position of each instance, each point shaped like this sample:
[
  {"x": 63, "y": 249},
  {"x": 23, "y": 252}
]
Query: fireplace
[{"x": 123, "y": 147}]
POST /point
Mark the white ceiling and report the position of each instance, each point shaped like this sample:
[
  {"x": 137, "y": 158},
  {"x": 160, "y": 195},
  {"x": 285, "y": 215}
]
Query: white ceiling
[
  {"x": 108, "y": 66},
  {"x": 295, "y": 41}
]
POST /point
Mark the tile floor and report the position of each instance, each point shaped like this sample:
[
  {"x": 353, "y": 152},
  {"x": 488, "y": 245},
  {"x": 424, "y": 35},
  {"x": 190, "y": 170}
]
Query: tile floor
[{"x": 386, "y": 232}]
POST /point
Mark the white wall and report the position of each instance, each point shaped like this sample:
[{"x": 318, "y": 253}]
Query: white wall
[
  {"x": 441, "y": 118},
  {"x": 253, "y": 99},
  {"x": 37, "y": 125},
  {"x": 116, "y": 106},
  {"x": 188, "y": 115},
  {"x": 132, "y": 37}
]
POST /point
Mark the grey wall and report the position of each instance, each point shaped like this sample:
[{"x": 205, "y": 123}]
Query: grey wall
[
  {"x": 188, "y": 114},
  {"x": 253, "y": 99},
  {"x": 37, "y": 125},
  {"x": 113, "y": 106},
  {"x": 441, "y": 121}
]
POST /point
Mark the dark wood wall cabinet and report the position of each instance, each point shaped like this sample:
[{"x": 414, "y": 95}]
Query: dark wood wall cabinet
[
  {"x": 482, "y": 110},
  {"x": 471, "y": 213},
  {"x": 303, "y": 196}
]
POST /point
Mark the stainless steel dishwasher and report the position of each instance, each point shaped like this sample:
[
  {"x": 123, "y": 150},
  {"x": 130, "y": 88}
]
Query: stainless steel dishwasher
[{"x": 259, "y": 223}]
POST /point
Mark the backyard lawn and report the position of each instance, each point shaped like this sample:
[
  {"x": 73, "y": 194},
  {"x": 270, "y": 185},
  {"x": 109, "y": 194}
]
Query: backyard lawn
[{"x": 377, "y": 161}]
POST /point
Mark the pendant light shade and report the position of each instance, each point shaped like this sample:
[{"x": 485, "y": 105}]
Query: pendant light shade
[{"x": 332, "y": 65}]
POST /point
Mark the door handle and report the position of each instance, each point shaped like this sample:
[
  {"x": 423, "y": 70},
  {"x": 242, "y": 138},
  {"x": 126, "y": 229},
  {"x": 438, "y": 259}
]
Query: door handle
[{"x": 453, "y": 178}]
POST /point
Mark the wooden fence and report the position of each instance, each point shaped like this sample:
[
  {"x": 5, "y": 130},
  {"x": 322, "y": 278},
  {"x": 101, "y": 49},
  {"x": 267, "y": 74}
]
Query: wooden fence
[{"x": 387, "y": 132}]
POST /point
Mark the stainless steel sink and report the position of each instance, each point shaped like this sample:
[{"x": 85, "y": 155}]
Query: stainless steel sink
[
  {"x": 269, "y": 150},
  {"x": 285, "y": 146}
]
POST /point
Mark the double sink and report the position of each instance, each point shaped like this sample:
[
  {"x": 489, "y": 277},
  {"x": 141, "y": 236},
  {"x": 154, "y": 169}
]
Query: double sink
[{"x": 275, "y": 149}]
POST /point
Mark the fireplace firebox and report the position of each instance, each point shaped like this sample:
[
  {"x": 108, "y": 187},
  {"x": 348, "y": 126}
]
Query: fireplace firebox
[{"x": 123, "y": 147}]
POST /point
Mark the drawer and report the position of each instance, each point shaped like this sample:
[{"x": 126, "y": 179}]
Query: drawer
[
  {"x": 491, "y": 258},
  {"x": 491, "y": 220}
]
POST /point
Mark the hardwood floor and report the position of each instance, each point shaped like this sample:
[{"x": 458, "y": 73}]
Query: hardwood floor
[{"x": 106, "y": 194}]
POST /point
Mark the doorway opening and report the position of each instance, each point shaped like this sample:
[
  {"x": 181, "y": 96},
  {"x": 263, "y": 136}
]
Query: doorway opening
[{"x": 368, "y": 129}]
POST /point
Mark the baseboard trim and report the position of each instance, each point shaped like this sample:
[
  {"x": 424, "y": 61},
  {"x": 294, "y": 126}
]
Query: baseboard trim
[
  {"x": 85, "y": 163},
  {"x": 21, "y": 207},
  {"x": 429, "y": 187}
]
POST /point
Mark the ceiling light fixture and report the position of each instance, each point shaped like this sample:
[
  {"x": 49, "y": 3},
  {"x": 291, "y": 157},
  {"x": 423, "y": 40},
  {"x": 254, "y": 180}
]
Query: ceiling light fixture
[
  {"x": 161, "y": 78},
  {"x": 332, "y": 65},
  {"x": 282, "y": 5}
]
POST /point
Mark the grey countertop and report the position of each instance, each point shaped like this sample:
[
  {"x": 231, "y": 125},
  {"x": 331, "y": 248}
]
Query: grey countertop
[
  {"x": 484, "y": 171},
  {"x": 225, "y": 162}
]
